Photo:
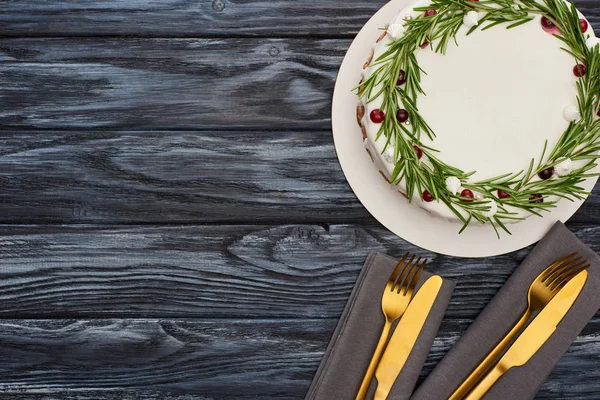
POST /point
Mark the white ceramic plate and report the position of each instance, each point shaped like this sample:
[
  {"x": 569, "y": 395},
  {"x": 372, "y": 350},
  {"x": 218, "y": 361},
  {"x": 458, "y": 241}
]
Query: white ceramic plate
[{"x": 386, "y": 204}]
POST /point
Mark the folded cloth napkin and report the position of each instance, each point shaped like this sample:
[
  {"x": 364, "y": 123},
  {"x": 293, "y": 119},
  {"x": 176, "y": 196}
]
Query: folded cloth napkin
[
  {"x": 504, "y": 311},
  {"x": 349, "y": 352}
]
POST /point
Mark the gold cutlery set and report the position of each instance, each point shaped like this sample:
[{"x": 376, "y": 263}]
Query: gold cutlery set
[
  {"x": 397, "y": 302},
  {"x": 549, "y": 299}
]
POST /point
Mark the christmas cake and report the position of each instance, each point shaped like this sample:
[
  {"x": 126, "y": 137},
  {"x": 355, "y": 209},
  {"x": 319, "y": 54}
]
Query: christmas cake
[{"x": 483, "y": 111}]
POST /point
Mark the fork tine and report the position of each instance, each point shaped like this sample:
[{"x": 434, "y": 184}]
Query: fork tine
[
  {"x": 402, "y": 284},
  {"x": 394, "y": 275},
  {"x": 558, "y": 274},
  {"x": 555, "y": 265},
  {"x": 567, "y": 276},
  {"x": 405, "y": 272},
  {"x": 413, "y": 282},
  {"x": 570, "y": 276},
  {"x": 559, "y": 270}
]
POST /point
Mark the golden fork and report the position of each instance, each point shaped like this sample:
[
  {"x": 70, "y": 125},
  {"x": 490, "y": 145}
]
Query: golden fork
[
  {"x": 394, "y": 301},
  {"x": 541, "y": 291}
]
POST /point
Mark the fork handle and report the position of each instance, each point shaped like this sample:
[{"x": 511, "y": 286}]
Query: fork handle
[
  {"x": 486, "y": 384},
  {"x": 486, "y": 363},
  {"x": 366, "y": 382}
]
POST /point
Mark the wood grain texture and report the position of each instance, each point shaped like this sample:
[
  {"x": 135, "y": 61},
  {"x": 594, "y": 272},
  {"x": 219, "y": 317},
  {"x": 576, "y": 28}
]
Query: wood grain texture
[
  {"x": 172, "y": 18},
  {"x": 168, "y": 83},
  {"x": 214, "y": 115},
  {"x": 168, "y": 18},
  {"x": 216, "y": 359},
  {"x": 90, "y": 176},
  {"x": 174, "y": 177},
  {"x": 287, "y": 271},
  {"x": 209, "y": 359}
]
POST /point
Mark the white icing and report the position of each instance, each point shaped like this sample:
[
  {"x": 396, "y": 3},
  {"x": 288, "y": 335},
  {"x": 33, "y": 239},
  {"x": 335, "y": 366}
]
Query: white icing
[
  {"x": 591, "y": 41},
  {"x": 388, "y": 155},
  {"x": 471, "y": 19},
  {"x": 493, "y": 209},
  {"x": 565, "y": 167},
  {"x": 453, "y": 184},
  {"x": 571, "y": 113},
  {"x": 511, "y": 110},
  {"x": 396, "y": 31}
]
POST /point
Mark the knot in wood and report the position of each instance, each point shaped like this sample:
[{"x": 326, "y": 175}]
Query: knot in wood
[
  {"x": 218, "y": 5},
  {"x": 273, "y": 51}
]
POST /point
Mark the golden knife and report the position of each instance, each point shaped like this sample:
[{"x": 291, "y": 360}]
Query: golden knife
[
  {"x": 405, "y": 336},
  {"x": 534, "y": 336}
]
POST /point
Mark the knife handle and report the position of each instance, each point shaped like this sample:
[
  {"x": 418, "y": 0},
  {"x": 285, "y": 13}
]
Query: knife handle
[
  {"x": 486, "y": 384},
  {"x": 364, "y": 386},
  {"x": 486, "y": 363}
]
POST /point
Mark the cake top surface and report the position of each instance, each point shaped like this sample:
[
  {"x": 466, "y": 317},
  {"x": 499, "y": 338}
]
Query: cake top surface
[{"x": 495, "y": 98}]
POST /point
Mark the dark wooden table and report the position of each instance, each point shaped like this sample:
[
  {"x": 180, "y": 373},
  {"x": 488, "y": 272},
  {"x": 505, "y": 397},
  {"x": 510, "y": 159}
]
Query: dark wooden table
[{"x": 174, "y": 222}]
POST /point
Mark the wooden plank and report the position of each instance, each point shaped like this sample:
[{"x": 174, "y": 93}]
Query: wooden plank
[
  {"x": 187, "y": 177},
  {"x": 171, "y": 18},
  {"x": 214, "y": 359},
  {"x": 228, "y": 359},
  {"x": 90, "y": 176},
  {"x": 168, "y": 83},
  {"x": 281, "y": 271}
]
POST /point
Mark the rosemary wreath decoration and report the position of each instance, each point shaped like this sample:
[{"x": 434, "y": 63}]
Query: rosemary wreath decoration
[{"x": 580, "y": 142}]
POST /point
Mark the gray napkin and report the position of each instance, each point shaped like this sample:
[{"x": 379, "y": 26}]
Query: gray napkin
[
  {"x": 349, "y": 352},
  {"x": 503, "y": 312}
]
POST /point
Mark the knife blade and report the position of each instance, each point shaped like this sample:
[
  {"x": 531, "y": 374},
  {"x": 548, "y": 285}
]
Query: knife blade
[
  {"x": 534, "y": 336},
  {"x": 405, "y": 335}
]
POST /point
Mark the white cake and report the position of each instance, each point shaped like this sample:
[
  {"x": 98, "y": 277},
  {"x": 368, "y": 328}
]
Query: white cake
[{"x": 492, "y": 101}]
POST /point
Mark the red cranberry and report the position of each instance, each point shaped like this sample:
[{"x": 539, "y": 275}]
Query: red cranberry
[
  {"x": 536, "y": 198},
  {"x": 583, "y": 24},
  {"x": 402, "y": 115},
  {"x": 579, "y": 70},
  {"x": 467, "y": 193},
  {"x": 598, "y": 113},
  {"x": 430, "y": 12},
  {"x": 547, "y": 24},
  {"x": 427, "y": 197},
  {"x": 419, "y": 152},
  {"x": 502, "y": 194},
  {"x": 401, "y": 78},
  {"x": 377, "y": 116},
  {"x": 424, "y": 44},
  {"x": 546, "y": 174}
]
